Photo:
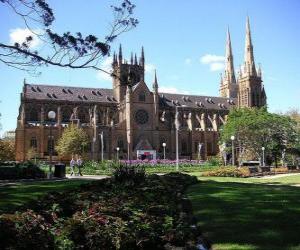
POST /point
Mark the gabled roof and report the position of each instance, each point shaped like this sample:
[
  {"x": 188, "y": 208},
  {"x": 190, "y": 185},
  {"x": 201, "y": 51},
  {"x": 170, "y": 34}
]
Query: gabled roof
[{"x": 66, "y": 93}]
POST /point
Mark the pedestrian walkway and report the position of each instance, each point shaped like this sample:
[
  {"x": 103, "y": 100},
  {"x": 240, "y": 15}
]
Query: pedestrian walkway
[
  {"x": 86, "y": 177},
  {"x": 278, "y": 176}
]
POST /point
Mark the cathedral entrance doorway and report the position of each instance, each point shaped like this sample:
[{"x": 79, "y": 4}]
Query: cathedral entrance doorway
[{"x": 146, "y": 154}]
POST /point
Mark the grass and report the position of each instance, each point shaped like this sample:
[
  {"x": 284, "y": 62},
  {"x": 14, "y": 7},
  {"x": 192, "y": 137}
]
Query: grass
[
  {"x": 16, "y": 195},
  {"x": 248, "y": 213}
]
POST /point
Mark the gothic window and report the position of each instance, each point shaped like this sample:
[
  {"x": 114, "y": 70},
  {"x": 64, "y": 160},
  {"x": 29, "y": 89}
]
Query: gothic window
[
  {"x": 183, "y": 148},
  {"x": 121, "y": 143},
  {"x": 66, "y": 114},
  {"x": 83, "y": 116},
  {"x": 142, "y": 96},
  {"x": 141, "y": 117},
  {"x": 33, "y": 115},
  {"x": 51, "y": 145},
  {"x": 33, "y": 142},
  {"x": 209, "y": 148}
]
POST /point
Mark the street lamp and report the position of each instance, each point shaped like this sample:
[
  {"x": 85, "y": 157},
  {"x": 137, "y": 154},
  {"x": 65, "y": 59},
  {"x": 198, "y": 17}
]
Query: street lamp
[
  {"x": 102, "y": 146},
  {"x": 199, "y": 150},
  {"x": 164, "y": 145},
  {"x": 263, "y": 156},
  {"x": 232, "y": 144},
  {"x": 51, "y": 116},
  {"x": 118, "y": 149}
]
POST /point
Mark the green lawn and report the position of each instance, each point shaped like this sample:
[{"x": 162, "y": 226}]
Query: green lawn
[
  {"x": 248, "y": 213},
  {"x": 12, "y": 196}
]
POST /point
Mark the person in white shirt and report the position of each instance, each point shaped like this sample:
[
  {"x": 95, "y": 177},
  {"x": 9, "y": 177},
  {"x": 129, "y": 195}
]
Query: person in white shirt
[{"x": 72, "y": 165}]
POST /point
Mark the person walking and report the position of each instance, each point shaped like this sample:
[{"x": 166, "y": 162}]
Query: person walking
[
  {"x": 79, "y": 165},
  {"x": 72, "y": 165}
]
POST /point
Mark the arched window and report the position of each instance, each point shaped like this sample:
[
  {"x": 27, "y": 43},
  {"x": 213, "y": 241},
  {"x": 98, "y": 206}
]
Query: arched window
[
  {"x": 51, "y": 145},
  {"x": 33, "y": 142},
  {"x": 142, "y": 96},
  {"x": 33, "y": 115},
  {"x": 183, "y": 148},
  {"x": 121, "y": 143},
  {"x": 66, "y": 114}
]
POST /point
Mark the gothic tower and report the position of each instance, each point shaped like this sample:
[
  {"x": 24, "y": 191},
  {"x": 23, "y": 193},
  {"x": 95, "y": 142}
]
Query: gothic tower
[
  {"x": 251, "y": 91},
  {"x": 228, "y": 85},
  {"x": 126, "y": 73}
]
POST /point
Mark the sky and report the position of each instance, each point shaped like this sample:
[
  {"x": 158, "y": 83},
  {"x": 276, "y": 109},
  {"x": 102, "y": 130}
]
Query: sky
[{"x": 183, "y": 40}]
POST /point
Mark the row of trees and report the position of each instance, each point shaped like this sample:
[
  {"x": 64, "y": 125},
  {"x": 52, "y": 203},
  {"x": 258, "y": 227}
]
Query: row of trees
[{"x": 256, "y": 128}]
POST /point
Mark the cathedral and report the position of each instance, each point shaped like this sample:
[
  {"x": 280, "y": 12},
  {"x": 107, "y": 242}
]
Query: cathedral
[{"x": 135, "y": 122}]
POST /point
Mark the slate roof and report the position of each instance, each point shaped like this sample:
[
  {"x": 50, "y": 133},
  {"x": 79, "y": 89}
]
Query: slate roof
[
  {"x": 66, "y": 93},
  {"x": 79, "y": 94},
  {"x": 195, "y": 101}
]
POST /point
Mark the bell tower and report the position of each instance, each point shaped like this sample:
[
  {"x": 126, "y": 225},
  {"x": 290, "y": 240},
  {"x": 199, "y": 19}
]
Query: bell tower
[
  {"x": 251, "y": 90},
  {"x": 126, "y": 73}
]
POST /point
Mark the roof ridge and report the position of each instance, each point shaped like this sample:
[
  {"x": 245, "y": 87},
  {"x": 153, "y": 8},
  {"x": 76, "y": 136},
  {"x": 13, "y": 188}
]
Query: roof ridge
[{"x": 63, "y": 86}]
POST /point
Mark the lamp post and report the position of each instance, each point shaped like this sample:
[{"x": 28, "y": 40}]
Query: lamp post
[
  {"x": 177, "y": 125},
  {"x": 102, "y": 146},
  {"x": 263, "y": 156},
  {"x": 199, "y": 150},
  {"x": 51, "y": 116},
  {"x": 118, "y": 153},
  {"x": 164, "y": 145},
  {"x": 232, "y": 144}
]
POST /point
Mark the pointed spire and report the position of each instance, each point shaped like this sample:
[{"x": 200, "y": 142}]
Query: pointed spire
[
  {"x": 155, "y": 83},
  {"x": 249, "y": 57},
  {"x": 229, "y": 68},
  {"x": 135, "y": 59},
  {"x": 142, "y": 59},
  {"x": 120, "y": 55},
  {"x": 131, "y": 58}
]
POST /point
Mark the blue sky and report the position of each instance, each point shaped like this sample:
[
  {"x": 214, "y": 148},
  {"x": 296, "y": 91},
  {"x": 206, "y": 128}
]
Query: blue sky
[{"x": 176, "y": 35}]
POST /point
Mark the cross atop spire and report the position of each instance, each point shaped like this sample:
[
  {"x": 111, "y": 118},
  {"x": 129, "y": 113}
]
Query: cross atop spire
[
  {"x": 229, "y": 69},
  {"x": 249, "y": 57}
]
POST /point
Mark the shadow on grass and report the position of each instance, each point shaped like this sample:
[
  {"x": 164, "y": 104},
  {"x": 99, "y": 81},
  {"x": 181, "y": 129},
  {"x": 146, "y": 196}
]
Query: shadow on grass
[
  {"x": 248, "y": 216},
  {"x": 16, "y": 195}
]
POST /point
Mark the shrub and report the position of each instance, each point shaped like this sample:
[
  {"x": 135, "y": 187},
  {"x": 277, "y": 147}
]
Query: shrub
[
  {"x": 27, "y": 230},
  {"x": 129, "y": 174},
  {"x": 26, "y": 170},
  {"x": 228, "y": 172},
  {"x": 214, "y": 161}
]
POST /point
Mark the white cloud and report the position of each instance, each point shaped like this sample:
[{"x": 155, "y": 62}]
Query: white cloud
[
  {"x": 216, "y": 66},
  {"x": 105, "y": 65},
  {"x": 172, "y": 90},
  {"x": 188, "y": 61},
  {"x": 149, "y": 68},
  {"x": 19, "y": 35},
  {"x": 215, "y": 62},
  {"x": 208, "y": 59}
]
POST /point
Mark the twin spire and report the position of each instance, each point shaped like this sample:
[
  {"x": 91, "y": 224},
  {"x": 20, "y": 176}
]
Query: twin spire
[{"x": 249, "y": 68}]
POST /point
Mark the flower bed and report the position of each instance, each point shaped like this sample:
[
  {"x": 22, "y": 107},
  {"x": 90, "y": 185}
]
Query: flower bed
[
  {"x": 228, "y": 172},
  {"x": 158, "y": 166},
  {"x": 129, "y": 211}
]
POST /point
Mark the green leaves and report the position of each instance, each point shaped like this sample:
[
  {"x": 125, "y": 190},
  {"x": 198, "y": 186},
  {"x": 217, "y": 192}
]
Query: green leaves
[
  {"x": 73, "y": 141},
  {"x": 256, "y": 128}
]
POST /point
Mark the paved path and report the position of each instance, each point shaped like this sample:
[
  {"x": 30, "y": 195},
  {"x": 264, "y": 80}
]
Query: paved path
[
  {"x": 87, "y": 177},
  {"x": 277, "y": 176}
]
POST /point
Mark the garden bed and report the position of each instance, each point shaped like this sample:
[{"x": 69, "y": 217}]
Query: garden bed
[{"x": 128, "y": 211}]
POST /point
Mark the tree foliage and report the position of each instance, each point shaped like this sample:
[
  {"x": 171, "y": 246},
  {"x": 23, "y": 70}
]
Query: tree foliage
[
  {"x": 7, "y": 150},
  {"x": 255, "y": 128},
  {"x": 74, "y": 140},
  {"x": 63, "y": 50}
]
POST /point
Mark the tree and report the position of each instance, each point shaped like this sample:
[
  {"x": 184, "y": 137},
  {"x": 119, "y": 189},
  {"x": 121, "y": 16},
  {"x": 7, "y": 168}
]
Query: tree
[
  {"x": 66, "y": 50},
  {"x": 74, "y": 140},
  {"x": 255, "y": 128},
  {"x": 7, "y": 150}
]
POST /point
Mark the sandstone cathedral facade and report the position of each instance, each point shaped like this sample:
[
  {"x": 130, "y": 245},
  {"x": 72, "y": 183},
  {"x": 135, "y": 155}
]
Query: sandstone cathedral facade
[{"x": 134, "y": 119}]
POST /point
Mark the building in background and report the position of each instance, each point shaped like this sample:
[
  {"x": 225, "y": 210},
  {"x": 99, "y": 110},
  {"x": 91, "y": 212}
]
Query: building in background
[{"x": 134, "y": 119}]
